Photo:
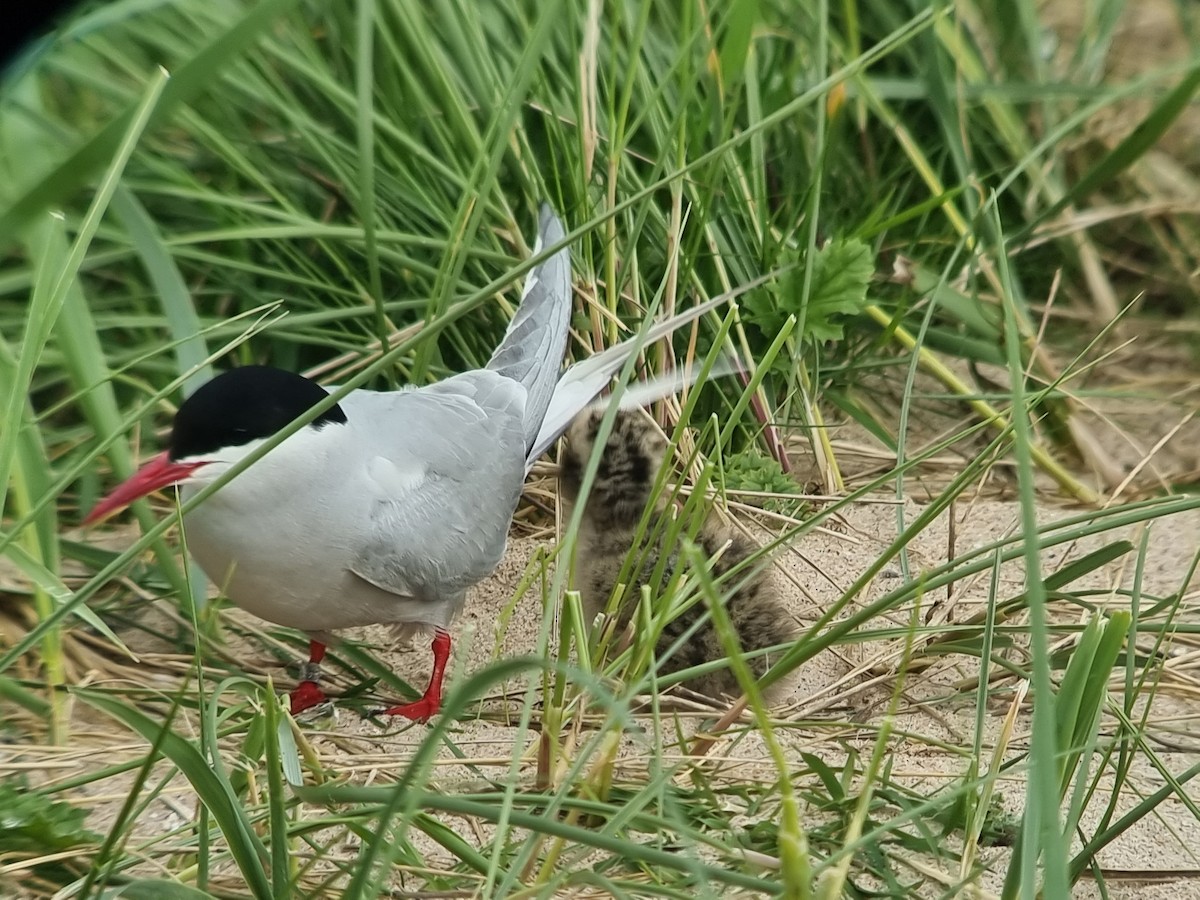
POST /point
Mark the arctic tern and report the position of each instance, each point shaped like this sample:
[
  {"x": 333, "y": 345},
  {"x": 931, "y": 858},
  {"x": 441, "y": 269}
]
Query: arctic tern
[{"x": 388, "y": 506}]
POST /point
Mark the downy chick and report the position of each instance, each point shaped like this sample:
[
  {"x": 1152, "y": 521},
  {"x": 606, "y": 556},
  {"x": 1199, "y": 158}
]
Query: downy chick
[{"x": 624, "y": 481}]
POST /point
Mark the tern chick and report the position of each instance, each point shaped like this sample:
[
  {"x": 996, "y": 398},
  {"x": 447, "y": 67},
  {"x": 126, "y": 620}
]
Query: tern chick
[{"x": 627, "y": 470}]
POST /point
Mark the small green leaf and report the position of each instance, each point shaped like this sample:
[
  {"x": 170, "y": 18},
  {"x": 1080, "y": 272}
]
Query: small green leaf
[
  {"x": 31, "y": 824},
  {"x": 752, "y": 471},
  {"x": 841, "y": 272},
  {"x": 829, "y": 778}
]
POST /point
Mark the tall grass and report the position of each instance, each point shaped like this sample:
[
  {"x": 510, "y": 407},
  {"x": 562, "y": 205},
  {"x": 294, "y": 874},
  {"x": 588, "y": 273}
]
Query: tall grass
[{"x": 346, "y": 189}]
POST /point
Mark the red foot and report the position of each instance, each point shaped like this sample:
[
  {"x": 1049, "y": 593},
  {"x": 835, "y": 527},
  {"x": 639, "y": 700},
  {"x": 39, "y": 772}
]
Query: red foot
[
  {"x": 305, "y": 696},
  {"x": 421, "y": 710},
  {"x": 418, "y": 710}
]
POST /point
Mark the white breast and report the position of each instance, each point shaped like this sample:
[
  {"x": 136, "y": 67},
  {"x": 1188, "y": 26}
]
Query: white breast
[{"x": 279, "y": 540}]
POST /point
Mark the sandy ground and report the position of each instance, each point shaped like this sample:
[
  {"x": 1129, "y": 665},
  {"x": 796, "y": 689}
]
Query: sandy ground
[
  {"x": 851, "y": 683},
  {"x": 854, "y": 681}
]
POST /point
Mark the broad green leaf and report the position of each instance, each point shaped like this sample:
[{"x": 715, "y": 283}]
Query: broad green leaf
[
  {"x": 842, "y": 271},
  {"x": 740, "y": 19}
]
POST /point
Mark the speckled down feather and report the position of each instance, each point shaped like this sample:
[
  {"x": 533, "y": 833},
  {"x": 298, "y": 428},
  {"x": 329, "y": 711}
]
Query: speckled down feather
[{"x": 620, "y": 492}]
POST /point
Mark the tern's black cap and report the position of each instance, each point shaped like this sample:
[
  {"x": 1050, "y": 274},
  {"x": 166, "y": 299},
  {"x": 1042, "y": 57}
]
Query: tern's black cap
[{"x": 243, "y": 405}]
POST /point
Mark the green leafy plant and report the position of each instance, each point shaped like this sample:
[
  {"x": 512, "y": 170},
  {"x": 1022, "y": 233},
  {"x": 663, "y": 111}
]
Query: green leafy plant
[
  {"x": 837, "y": 279},
  {"x": 754, "y": 471},
  {"x": 33, "y": 826}
]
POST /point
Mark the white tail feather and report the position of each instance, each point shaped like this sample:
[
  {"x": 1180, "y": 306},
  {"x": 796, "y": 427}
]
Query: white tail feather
[
  {"x": 583, "y": 381},
  {"x": 643, "y": 393}
]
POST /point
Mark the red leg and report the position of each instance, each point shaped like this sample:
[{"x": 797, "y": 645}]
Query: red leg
[
  {"x": 306, "y": 694},
  {"x": 421, "y": 710}
]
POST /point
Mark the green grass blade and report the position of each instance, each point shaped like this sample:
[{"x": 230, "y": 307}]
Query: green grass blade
[
  {"x": 1041, "y": 836},
  {"x": 365, "y": 84},
  {"x": 49, "y": 583},
  {"x": 244, "y": 844},
  {"x": 191, "y": 354},
  {"x": 189, "y": 81},
  {"x": 1141, "y": 138},
  {"x": 280, "y": 851}
]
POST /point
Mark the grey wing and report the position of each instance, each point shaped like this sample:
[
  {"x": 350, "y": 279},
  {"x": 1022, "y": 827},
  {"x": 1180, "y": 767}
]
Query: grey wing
[
  {"x": 446, "y": 479},
  {"x": 536, "y": 339}
]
